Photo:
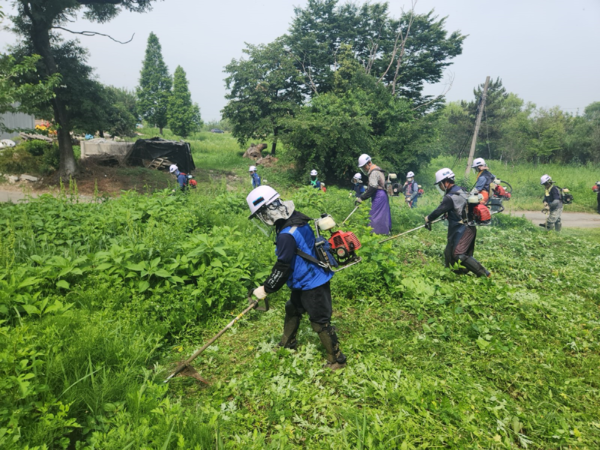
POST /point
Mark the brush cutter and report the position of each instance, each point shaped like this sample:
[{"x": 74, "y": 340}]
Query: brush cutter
[
  {"x": 353, "y": 211},
  {"x": 185, "y": 369},
  {"x": 409, "y": 231}
]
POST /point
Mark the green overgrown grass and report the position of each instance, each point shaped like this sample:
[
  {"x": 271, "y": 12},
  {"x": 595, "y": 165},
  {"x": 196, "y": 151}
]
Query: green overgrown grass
[{"x": 99, "y": 300}]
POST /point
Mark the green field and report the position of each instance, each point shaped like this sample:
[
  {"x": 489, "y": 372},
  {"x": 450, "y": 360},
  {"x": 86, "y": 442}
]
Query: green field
[{"x": 100, "y": 300}]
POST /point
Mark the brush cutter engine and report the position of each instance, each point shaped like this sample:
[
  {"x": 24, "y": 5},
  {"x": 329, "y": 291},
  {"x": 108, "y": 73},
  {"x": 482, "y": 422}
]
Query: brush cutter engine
[{"x": 339, "y": 251}]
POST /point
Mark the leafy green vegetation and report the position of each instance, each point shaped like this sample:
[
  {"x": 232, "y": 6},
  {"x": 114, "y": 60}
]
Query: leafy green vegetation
[{"x": 99, "y": 300}]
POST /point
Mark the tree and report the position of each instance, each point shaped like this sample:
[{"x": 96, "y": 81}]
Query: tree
[
  {"x": 19, "y": 96},
  {"x": 183, "y": 114},
  {"x": 359, "y": 115},
  {"x": 154, "y": 90},
  {"x": 35, "y": 21},
  {"x": 264, "y": 90},
  {"x": 402, "y": 53}
]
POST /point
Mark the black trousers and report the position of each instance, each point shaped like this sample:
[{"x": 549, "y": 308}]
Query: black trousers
[{"x": 315, "y": 302}]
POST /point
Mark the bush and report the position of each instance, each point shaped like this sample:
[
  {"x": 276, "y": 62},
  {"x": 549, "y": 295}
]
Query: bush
[
  {"x": 35, "y": 157},
  {"x": 18, "y": 160}
]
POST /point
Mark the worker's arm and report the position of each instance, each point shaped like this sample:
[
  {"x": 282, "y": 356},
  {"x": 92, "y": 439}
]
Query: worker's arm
[
  {"x": 373, "y": 185},
  {"x": 446, "y": 206},
  {"x": 286, "y": 252},
  {"x": 481, "y": 181}
]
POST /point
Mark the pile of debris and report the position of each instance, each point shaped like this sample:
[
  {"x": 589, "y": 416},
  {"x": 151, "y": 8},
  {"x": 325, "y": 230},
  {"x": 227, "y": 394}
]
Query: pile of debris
[{"x": 255, "y": 152}]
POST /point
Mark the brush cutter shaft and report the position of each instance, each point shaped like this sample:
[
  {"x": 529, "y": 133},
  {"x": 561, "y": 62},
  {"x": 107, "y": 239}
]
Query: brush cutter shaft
[
  {"x": 217, "y": 336},
  {"x": 406, "y": 232},
  {"x": 353, "y": 211}
]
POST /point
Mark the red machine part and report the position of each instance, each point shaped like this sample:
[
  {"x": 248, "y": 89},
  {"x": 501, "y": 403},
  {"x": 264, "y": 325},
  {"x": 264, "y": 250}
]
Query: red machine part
[
  {"x": 482, "y": 213},
  {"x": 343, "y": 243},
  {"x": 501, "y": 192}
]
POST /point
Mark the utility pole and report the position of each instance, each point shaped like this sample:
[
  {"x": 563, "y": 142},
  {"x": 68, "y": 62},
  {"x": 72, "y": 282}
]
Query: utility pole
[{"x": 477, "y": 124}]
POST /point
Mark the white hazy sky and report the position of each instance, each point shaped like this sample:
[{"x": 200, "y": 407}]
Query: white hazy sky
[{"x": 546, "y": 51}]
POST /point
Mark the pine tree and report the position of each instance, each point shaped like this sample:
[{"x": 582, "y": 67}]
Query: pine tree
[
  {"x": 155, "y": 86},
  {"x": 184, "y": 116}
]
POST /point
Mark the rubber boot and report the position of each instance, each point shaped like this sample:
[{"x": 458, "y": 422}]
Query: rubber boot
[
  {"x": 473, "y": 265},
  {"x": 335, "y": 358},
  {"x": 290, "y": 328},
  {"x": 558, "y": 225}
]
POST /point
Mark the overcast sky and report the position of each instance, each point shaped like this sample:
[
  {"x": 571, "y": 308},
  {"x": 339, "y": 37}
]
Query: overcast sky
[{"x": 546, "y": 51}]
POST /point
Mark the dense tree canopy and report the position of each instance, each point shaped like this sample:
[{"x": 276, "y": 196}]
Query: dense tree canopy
[
  {"x": 345, "y": 80},
  {"x": 517, "y": 131},
  {"x": 263, "y": 90},
  {"x": 36, "y": 21}
]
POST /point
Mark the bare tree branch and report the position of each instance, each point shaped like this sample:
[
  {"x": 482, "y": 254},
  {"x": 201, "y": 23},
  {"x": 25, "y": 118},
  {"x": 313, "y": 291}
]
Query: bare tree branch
[
  {"x": 443, "y": 94},
  {"x": 403, "y": 44},
  {"x": 95, "y": 33}
]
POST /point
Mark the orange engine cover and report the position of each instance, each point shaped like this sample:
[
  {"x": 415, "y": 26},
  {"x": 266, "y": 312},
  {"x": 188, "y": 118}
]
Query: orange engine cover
[
  {"x": 344, "y": 239},
  {"x": 482, "y": 213}
]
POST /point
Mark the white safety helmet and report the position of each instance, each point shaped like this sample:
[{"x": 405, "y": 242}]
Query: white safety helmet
[
  {"x": 357, "y": 176},
  {"x": 545, "y": 179},
  {"x": 410, "y": 175},
  {"x": 443, "y": 174},
  {"x": 264, "y": 203},
  {"x": 259, "y": 197},
  {"x": 313, "y": 173},
  {"x": 252, "y": 169},
  {"x": 173, "y": 168},
  {"x": 478, "y": 163},
  {"x": 363, "y": 160}
]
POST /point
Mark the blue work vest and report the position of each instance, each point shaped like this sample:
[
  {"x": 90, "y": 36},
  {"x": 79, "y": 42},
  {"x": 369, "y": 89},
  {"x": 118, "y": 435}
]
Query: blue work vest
[{"x": 305, "y": 274}]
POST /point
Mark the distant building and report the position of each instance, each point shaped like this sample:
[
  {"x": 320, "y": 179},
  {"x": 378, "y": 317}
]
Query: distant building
[{"x": 16, "y": 120}]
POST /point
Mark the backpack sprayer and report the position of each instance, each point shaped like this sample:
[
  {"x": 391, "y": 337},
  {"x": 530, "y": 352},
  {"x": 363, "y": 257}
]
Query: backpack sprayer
[{"x": 186, "y": 370}]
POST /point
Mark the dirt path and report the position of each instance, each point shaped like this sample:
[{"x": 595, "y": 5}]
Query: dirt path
[
  {"x": 13, "y": 196},
  {"x": 569, "y": 219}
]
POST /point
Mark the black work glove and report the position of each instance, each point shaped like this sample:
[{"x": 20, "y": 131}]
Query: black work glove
[{"x": 427, "y": 224}]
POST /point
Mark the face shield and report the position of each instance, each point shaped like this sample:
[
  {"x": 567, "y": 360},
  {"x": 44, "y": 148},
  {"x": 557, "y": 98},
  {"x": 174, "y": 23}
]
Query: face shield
[
  {"x": 440, "y": 187},
  {"x": 275, "y": 211}
]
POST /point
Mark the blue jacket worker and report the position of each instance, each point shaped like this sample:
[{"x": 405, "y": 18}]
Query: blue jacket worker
[
  {"x": 308, "y": 282},
  {"x": 411, "y": 190},
  {"x": 358, "y": 186},
  {"x": 461, "y": 236},
  {"x": 314, "y": 181},
  {"x": 484, "y": 179},
  {"x": 254, "y": 176},
  {"x": 182, "y": 179}
]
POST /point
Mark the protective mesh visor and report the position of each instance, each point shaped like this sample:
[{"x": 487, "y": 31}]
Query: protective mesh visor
[{"x": 275, "y": 211}]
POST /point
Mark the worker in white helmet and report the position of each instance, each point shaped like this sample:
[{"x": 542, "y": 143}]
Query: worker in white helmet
[
  {"x": 553, "y": 204},
  {"x": 314, "y": 180},
  {"x": 182, "y": 179},
  {"x": 308, "y": 281},
  {"x": 461, "y": 235},
  {"x": 381, "y": 217},
  {"x": 357, "y": 185},
  {"x": 411, "y": 190},
  {"x": 254, "y": 176},
  {"x": 484, "y": 179}
]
